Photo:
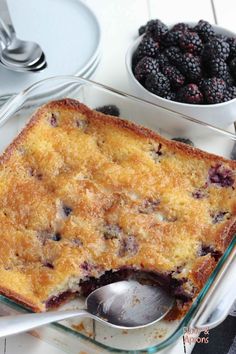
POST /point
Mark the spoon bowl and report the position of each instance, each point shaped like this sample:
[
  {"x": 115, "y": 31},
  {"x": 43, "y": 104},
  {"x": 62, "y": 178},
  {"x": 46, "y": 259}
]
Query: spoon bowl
[
  {"x": 124, "y": 305},
  {"x": 40, "y": 65},
  {"x": 21, "y": 53},
  {"x": 129, "y": 304}
]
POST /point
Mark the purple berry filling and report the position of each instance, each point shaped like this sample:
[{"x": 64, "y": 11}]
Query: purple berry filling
[
  {"x": 221, "y": 176},
  {"x": 49, "y": 265},
  {"x": 112, "y": 231},
  {"x": 35, "y": 174},
  {"x": 128, "y": 246},
  {"x": 56, "y": 237},
  {"x": 149, "y": 206},
  {"x": 53, "y": 121},
  {"x": 108, "y": 277},
  {"x": 67, "y": 210},
  {"x": 46, "y": 235},
  {"x": 77, "y": 242},
  {"x": 165, "y": 280},
  {"x": 206, "y": 249},
  {"x": 81, "y": 123},
  {"x": 57, "y": 300},
  {"x": 157, "y": 153},
  {"x": 220, "y": 216},
  {"x": 199, "y": 194},
  {"x": 87, "y": 267}
]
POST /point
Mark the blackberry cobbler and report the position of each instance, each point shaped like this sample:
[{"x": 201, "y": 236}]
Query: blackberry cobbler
[{"x": 87, "y": 199}]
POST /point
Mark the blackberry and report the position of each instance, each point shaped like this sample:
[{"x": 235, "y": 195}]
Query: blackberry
[
  {"x": 216, "y": 48},
  {"x": 171, "y": 38},
  {"x": 199, "y": 193},
  {"x": 112, "y": 231},
  {"x": 128, "y": 246},
  {"x": 158, "y": 84},
  {"x": 220, "y": 216},
  {"x": 205, "y": 249},
  {"x": 135, "y": 60},
  {"x": 54, "y": 120},
  {"x": 68, "y": 210},
  {"x": 232, "y": 47},
  {"x": 173, "y": 54},
  {"x": 170, "y": 96},
  {"x": 184, "y": 140},
  {"x": 213, "y": 90},
  {"x": 222, "y": 37},
  {"x": 204, "y": 30},
  {"x": 174, "y": 75},
  {"x": 230, "y": 93},
  {"x": 156, "y": 29},
  {"x": 145, "y": 67},
  {"x": 191, "y": 42},
  {"x": 232, "y": 66},
  {"x": 110, "y": 109},
  {"x": 190, "y": 66},
  {"x": 221, "y": 176},
  {"x": 147, "y": 48},
  {"x": 162, "y": 61},
  {"x": 182, "y": 27},
  {"x": 56, "y": 237},
  {"x": 187, "y": 64},
  {"x": 190, "y": 94},
  {"x": 218, "y": 68},
  {"x": 141, "y": 30},
  {"x": 229, "y": 79}
]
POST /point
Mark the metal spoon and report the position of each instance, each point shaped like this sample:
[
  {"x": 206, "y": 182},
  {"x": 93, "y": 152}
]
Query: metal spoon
[
  {"x": 40, "y": 65},
  {"x": 125, "y": 305},
  {"x": 16, "y": 53}
]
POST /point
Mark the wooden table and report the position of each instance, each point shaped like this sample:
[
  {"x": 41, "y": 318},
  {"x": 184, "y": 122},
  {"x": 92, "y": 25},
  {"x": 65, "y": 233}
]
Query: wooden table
[{"x": 120, "y": 20}]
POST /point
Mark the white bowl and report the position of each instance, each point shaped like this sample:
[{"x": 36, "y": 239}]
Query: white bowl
[{"x": 219, "y": 115}]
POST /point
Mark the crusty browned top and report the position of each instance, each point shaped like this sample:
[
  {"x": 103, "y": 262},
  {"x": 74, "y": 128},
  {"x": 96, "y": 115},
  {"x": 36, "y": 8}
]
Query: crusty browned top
[{"x": 82, "y": 193}]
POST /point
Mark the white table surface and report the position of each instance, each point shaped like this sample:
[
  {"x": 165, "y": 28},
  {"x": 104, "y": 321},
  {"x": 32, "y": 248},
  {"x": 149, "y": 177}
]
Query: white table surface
[{"x": 120, "y": 20}]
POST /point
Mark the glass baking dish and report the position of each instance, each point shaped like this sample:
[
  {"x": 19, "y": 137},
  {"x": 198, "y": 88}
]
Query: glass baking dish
[{"x": 214, "y": 301}]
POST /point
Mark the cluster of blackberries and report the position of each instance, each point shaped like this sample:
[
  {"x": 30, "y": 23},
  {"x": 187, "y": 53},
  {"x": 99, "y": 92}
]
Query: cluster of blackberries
[{"x": 186, "y": 64}]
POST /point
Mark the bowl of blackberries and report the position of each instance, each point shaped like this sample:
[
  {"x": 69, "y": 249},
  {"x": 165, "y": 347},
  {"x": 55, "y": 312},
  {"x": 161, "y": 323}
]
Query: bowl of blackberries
[{"x": 187, "y": 67}]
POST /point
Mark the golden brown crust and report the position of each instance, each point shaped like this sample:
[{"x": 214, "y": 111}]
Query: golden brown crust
[
  {"x": 71, "y": 104},
  {"x": 202, "y": 269},
  {"x": 25, "y": 301},
  {"x": 224, "y": 237},
  {"x": 130, "y": 201}
]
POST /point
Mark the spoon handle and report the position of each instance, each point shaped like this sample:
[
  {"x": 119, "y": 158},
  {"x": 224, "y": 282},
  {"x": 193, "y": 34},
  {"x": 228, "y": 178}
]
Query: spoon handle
[
  {"x": 10, "y": 325},
  {"x": 5, "y": 20}
]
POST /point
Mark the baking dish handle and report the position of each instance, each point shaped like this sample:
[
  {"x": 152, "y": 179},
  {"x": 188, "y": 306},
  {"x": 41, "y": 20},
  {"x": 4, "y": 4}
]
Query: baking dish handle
[
  {"x": 219, "y": 298},
  {"x": 218, "y": 315}
]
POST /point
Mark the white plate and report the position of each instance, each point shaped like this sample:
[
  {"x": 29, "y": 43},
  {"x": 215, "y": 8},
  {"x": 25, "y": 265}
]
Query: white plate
[
  {"x": 68, "y": 32},
  {"x": 91, "y": 70}
]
